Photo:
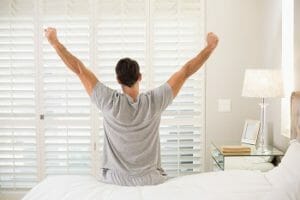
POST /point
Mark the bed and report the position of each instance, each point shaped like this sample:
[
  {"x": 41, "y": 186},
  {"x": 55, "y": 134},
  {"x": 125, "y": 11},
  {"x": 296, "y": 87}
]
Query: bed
[
  {"x": 221, "y": 185},
  {"x": 282, "y": 182}
]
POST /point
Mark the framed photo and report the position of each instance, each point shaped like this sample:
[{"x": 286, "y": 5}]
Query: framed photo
[{"x": 250, "y": 132}]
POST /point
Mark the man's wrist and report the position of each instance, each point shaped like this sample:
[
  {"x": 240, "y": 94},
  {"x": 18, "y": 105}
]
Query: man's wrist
[
  {"x": 55, "y": 43},
  {"x": 210, "y": 47}
]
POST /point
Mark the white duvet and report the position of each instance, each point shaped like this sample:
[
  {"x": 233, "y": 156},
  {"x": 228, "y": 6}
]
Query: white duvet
[
  {"x": 281, "y": 183},
  {"x": 231, "y": 185}
]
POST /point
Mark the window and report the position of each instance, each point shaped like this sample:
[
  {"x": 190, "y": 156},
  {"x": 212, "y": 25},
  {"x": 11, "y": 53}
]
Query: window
[
  {"x": 47, "y": 123},
  {"x": 287, "y": 63}
]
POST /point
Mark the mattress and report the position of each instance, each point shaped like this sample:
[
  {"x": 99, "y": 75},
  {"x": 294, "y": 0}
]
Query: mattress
[{"x": 223, "y": 185}]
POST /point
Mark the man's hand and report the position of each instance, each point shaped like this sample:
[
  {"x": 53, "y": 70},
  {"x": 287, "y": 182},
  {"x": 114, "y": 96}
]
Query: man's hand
[
  {"x": 87, "y": 78},
  {"x": 177, "y": 79},
  {"x": 212, "y": 40},
  {"x": 51, "y": 35}
]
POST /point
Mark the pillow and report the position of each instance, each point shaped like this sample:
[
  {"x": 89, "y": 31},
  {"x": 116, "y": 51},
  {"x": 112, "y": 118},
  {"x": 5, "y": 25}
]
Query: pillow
[
  {"x": 286, "y": 177},
  {"x": 289, "y": 168},
  {"x": 291, "y": 160}
]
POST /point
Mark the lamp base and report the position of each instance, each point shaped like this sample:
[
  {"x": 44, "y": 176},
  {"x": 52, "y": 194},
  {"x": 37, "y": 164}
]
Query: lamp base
[{"x": 262, "y": 146}]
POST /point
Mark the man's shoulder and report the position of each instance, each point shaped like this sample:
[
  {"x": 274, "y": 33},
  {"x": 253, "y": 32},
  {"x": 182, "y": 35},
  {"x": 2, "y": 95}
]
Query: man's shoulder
[{"x": 159, "y": 87}]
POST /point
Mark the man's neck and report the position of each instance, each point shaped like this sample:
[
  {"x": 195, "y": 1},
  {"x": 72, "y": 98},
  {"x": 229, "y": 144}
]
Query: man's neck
[{"x": 133, "y": 91}]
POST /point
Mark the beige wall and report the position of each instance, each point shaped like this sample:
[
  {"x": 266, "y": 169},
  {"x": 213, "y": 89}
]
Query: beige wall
[
  {"x": 297, "y": 44},
  {"x": 239, "y": 25},
  {"x": 250, "y": 36}
]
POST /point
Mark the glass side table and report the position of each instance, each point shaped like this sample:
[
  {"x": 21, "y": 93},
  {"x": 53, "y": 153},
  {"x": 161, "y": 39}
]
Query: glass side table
[{"x": 219, "y": 157}]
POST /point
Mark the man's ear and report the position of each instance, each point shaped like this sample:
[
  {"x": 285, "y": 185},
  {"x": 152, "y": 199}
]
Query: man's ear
[
  {"x": 118, "y": 80},
  {"x": 140, "y": 77}
]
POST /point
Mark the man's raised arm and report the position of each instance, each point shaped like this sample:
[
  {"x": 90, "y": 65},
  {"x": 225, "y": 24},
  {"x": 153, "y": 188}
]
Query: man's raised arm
[
  {"x": 87, "y": 78},
  {"x": 177, "y": 79}
]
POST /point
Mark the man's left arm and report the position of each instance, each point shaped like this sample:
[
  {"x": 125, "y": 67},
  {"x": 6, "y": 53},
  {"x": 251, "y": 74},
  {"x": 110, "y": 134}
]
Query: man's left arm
[
  {"x": 177, "y": 80},
  {"x": 88, "y": 79}
]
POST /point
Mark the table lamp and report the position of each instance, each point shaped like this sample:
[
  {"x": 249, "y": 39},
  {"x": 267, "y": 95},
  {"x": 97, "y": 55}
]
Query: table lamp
[{"x": 263, "y": 83}]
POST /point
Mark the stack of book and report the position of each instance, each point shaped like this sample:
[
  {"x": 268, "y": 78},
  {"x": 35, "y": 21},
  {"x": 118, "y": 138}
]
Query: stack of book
[{"x": 235, "y": 149}]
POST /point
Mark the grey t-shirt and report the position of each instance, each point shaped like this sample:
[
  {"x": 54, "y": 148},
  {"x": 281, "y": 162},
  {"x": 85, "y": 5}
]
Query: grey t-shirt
[{"x": 131, "y": 151}]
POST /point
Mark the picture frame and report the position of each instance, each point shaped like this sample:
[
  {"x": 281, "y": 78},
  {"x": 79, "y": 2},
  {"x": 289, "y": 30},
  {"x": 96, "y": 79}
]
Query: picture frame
[{"x": 250, "y": 132}]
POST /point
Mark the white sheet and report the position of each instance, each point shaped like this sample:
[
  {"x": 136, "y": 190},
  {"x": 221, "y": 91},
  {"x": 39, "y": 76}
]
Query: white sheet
[{"x": 228, "y": 185}]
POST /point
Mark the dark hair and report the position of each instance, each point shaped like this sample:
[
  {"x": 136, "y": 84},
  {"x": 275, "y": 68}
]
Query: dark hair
[{"x": 127, "y": 71}]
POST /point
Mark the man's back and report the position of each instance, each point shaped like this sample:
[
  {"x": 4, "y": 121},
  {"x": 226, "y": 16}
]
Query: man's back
[{"x": 131, "y": 153}]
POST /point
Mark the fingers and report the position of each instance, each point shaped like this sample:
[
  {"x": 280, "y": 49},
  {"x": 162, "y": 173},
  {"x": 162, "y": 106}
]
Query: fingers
[
  {"x": 213, "y": 36},
  {"x": 46, "y": 30},
  {"x": 212, "y": 40},
  {"x": 210, "y": 34},
  {"x": 49, "y": 29}
]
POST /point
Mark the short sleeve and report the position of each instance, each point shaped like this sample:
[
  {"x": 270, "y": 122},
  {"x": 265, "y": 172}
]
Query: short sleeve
[
  {"x": 162, "y": 97},
  {"x": 102, "y": 96}
]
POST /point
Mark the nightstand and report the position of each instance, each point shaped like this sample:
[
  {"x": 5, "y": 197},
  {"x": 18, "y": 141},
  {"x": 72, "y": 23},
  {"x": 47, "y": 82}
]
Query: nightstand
[{"x": 254, "y": 160}]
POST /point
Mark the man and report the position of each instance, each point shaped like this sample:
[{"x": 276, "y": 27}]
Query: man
[{"x": 131, "y": 152}]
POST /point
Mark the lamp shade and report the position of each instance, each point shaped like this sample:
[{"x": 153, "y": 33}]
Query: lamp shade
[{"x": 263, "y": 83}]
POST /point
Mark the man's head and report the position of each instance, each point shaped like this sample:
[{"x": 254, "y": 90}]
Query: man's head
[{"x": 128, "y": 72}]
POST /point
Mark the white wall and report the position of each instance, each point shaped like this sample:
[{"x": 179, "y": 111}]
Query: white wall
[{"x": 239, "y": 24}]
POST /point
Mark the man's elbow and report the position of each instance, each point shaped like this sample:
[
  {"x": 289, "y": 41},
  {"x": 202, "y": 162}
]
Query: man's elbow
[{"x": 79, "y": 68}]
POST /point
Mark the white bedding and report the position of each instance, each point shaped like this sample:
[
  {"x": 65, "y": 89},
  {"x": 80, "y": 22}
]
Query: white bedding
[
  {"x": 281, "y": 183},
  {"x": 228, "y": 185}
]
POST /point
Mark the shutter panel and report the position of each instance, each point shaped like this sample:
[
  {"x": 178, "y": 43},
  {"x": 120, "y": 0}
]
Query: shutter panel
[
  {"x": 67, "y": 124},
  {"x": 18, "y": 153},
  {"x": 120, "y": 32},
  {"x": 176, "y": 39}
]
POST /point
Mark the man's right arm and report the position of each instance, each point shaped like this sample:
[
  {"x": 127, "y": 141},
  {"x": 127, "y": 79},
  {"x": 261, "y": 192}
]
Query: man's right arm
[
  {"x": 177, "y": 79},
  {"x": 88, "y": 78}
]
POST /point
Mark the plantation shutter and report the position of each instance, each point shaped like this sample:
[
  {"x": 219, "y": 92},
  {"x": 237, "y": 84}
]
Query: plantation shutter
[
  {"x": 66, "y": 106},
  {"x": 120, "y": 30},
  {"x": 177, "y": 37},
  {"x": 18, "y": 151},
  {"x": 47, "y": 123}
]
